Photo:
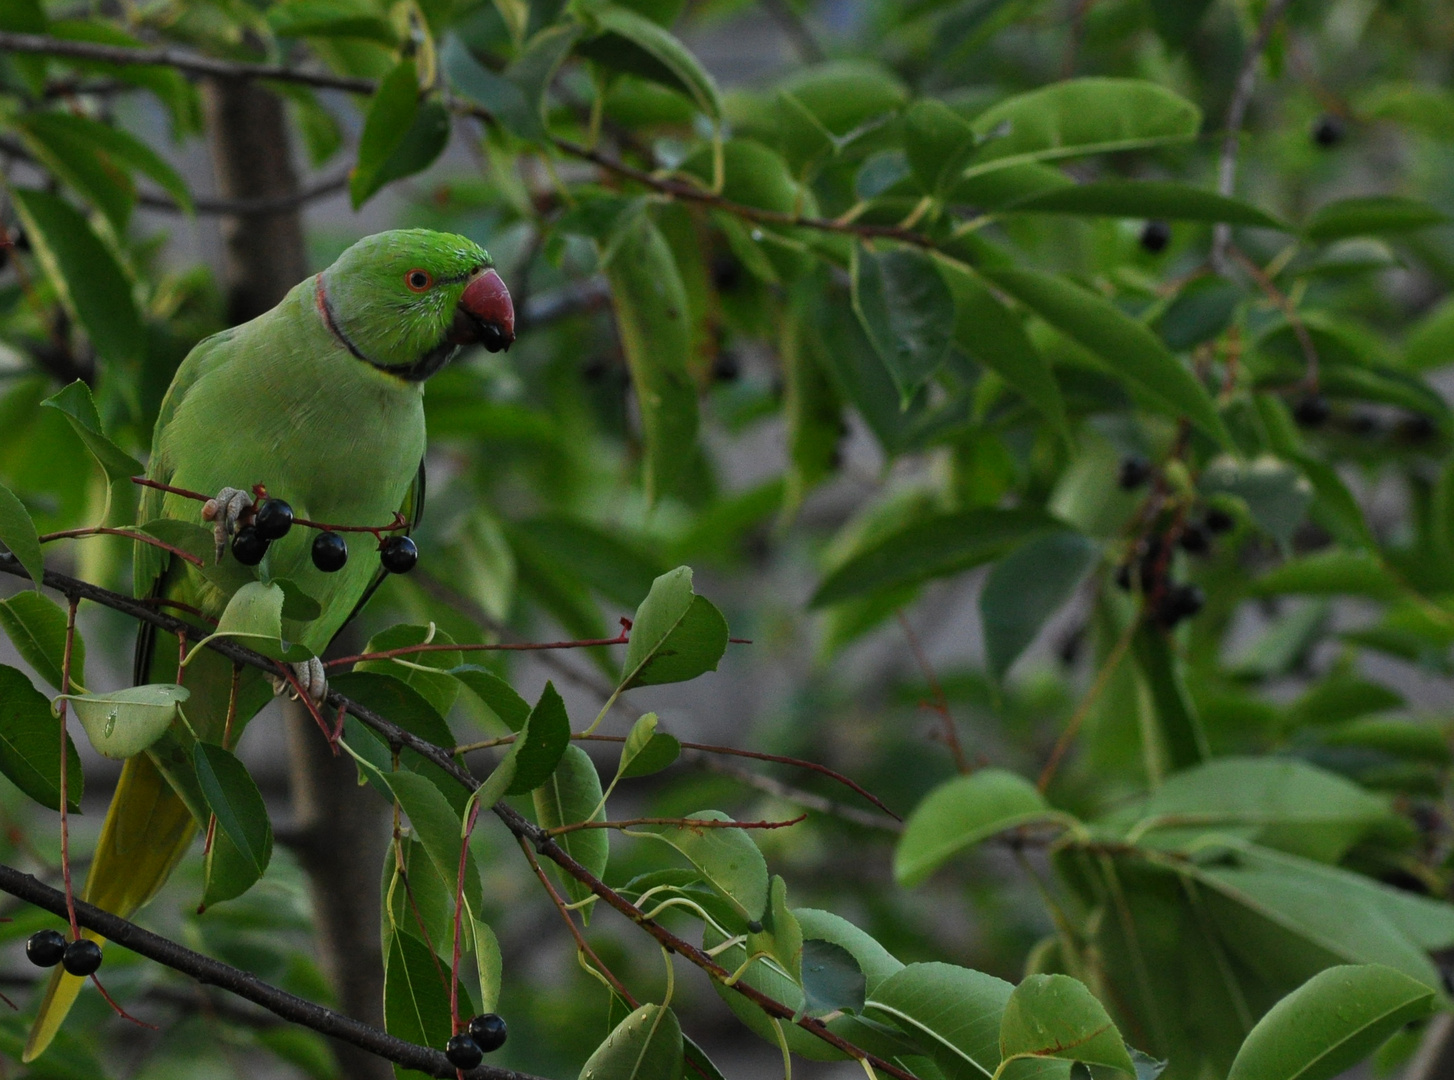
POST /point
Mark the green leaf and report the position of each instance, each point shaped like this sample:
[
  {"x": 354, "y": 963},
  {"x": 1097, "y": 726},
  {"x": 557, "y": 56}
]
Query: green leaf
[
  {"x": 425, "y": 908},
  {"x": 439, "y": 690},
  {"x": 782, "y": 938},
  {"x": 938, "y": 142},
  {"x": 488, "y": 962},
  {"x": 617, "y": 569},
  {"x": 1170, "y": 707},
  {"x": 571, "y": 794},
  {"x": 169, "y": 85},
  {"x": 832, "y": 979},
  {"x": 907, "y": 312},
  {"x": 1330, "y": 1023},
  {"x": 505, "y": 100},
  {"x": 935, "y": 547},
  {"x": 1163, "y": 199},
  {"x": 952, "y": 1012},
  {"x": 534, "y": 70},
  {"x": 1129, "y": 349},
  {"x": 125, "y": 722},
  {"x": 727, "y": 858},
  {"x": 543, "y": 741},
  {"x": 1430, "y": 342},
  {"x": 962, "y": 812},
  {"x": 30, "y": 741},
  {"x": 389, "y": 121},
  {"x": 416, "y": 1000},
  {"x": 651, "y": 317},
  {"x": 496, "y": 694},
  {"x": 1425, "y": 109},
  {"x": 234, "y": 798},
  {"x": 58, "y": 128},
  {"x": 404, "y": 705},
  {"x": 1276, "y": 493},
  {"x": 254, "y": 616},
  {"x": 647, "y": 1045},
  {"x": 87, "y": 276},
  {"x": 1026, "y": 588},
  {"x": 650, "y": 752},
  {"x": 1081, "y": 116},
  {"x": 75, "y": 403},
  {"x": 1375, "y": 214},
  {"x": 298, "y": 606},
  {"x": 1331, "y": 573},
  {"x": 440, "y": 828},
  {"x": 1056, "y": 1016},
  {"x": 625, "y": 41},
  {"x": 17, "y": 533},
  {"x": 64, "y": 145},
  {"x": 36, "y": 627},
  {"x": 985, "y": 330},
  {"x": 330, "y": 19},
  {"x": 675, "y": 636}
]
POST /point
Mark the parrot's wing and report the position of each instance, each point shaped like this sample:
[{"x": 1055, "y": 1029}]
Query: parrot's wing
[
  {"x": 149, "y": 563},
  {"x": 413, "y": 511}
]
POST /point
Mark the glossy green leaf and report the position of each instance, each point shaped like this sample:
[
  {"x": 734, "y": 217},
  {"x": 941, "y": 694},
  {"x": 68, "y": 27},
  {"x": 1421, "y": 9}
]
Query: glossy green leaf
[
  {"x": 1082, "y": 116},
  {"x": 952, "y": 1012},
  {"x": 1056, "y": 1016},
  {"x": 907, "y": 312},
  {"x": 497, "y": 695},
  {"x": 416, "y": 1000},
  {"x": 844, "y": 94},
  {"x": 1026, "y": 588},
  {"x": 1129, "y": 349},
  {"x": 439, "y": 827},
  {"x": 659, "y": 752},
  {"x": 87, "y": 276},
  {"x": 390, "y": 119},
  {"x": 488, "y": 962},
  {"x": 960, "y": 813},
  {"x": 1170, "y": 709},
  {"x": 30, "y": 741},
  {"x": 651, "y": 317},
  {"x": 676, "y": 635},
  {"x": 75, "y": 403},
  {"x": 416, "y": 900},
  {"x": 614, "y": 566},
  {"x": 1430, "y": 342},
  {"x": 938, "y": 142},
  {"x": 935, "y": 547},
  {"x": 1276, "y": 493},
  {"x": 233, "y": 796},
  {"x": 36, "y": 627},
  {"x": 123, "y": 723},
  {"x": 543, "y": 741},
  {"x": 647, "y": 1045},
  {"x": 63, "y": 143},
  {"x": 120, "y": 146},
  {"x": 329, "y": 19},
  {"x": 254, "y": 617},
  {"x": 572, "y": 794},
  {"x": 406, "y": 707},
  {"x": 439, "y": 690},
  {"x": 1330, "y": 1023},
  {"x": 534, "y": 70},
  {"x": 626, "y": 41},
  {"x": 18, "y": 535},
  {"x": 781, "y": 938},
  {"x": 727, "y": 858},
  {"x": 1163, "y": 199},
  {"x": 985, "y": 330},
  {"x": 832, "y": 979},
  {"x": 1331, "y": 573},
  {"x": 1371, "y": 214}
]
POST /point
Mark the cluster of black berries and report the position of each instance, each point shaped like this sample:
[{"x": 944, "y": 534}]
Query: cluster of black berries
[
  {"x": 330, "y": 551},
  {"x": 483, "y": 1035},
  {"x": 1312, "y": 410},
  {"x": 47, "y": 948}
]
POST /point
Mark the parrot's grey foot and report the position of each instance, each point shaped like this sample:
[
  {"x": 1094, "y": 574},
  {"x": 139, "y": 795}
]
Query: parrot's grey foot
[
  {"x": 227, "y": 510},
  {"x": 310, "y": 676}
]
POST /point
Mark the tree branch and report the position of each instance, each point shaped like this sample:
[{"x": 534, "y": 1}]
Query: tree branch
[
  {"x": 244, "y": 984},
  {"x": 274, "y": 205}
]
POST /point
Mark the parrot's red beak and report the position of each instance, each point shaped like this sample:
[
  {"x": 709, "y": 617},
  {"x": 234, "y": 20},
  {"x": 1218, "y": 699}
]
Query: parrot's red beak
[{"x": 485, "y": 315}]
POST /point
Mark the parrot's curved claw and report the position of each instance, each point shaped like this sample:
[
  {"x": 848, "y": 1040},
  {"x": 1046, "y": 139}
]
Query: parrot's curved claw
[
  {"x": 228, "y": 509},
  {"x": 310, "y": 676}
]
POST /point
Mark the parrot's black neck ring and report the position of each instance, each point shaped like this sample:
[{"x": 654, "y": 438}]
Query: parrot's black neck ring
[{"x": 418, "y": 371}]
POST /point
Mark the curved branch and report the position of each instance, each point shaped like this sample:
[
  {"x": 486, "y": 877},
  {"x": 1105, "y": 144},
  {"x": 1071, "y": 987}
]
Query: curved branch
[
  {"x": 275, "y": 205},
  {"x": 244, "y": 984}
]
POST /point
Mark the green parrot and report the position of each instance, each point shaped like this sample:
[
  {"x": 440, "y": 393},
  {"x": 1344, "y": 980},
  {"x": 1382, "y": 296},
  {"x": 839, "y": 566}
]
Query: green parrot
[{"x": 321, "y": 401}]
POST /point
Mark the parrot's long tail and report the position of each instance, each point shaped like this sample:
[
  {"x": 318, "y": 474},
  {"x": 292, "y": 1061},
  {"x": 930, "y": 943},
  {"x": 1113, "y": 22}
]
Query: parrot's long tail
[{"x": 147, "y": 830}]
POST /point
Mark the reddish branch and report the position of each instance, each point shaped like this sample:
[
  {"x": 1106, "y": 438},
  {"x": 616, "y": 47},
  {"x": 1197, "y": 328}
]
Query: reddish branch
[
  {"x": 685, "y": 823},
  {"x": 130, "y": 534}
]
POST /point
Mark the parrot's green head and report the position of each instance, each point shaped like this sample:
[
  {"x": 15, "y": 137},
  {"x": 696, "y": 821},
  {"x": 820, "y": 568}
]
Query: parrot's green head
[{"x": 405, "y": 301}]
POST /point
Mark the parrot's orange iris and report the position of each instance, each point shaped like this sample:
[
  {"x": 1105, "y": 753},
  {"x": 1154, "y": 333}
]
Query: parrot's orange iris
[{"x": 418, "y": 280}]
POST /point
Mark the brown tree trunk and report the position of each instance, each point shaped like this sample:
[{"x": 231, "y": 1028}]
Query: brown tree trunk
[{"x": 340, "y": 830}]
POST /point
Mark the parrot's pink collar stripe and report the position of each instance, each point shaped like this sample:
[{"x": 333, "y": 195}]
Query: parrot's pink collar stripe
[{"x": 321, "y": 295}]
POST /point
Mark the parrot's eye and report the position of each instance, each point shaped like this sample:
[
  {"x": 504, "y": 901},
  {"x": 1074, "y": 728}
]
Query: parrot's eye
[{"x": 418, "y": 280}]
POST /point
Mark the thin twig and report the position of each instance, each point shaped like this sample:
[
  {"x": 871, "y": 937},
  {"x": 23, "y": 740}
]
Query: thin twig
[
  {"x": 681, "y": 823},
  {"x": 1232, "y": 133},
  {"x": 1289, "y": 312},
  {"x": 1113, "y": 661},
  {"x": 130, "y": 534},
  {"x": 517, "y": 646},
  {"x": 274, "y": 204},
  {"x": 940, "y": 704},
  {"x": 812, "y": 801}
]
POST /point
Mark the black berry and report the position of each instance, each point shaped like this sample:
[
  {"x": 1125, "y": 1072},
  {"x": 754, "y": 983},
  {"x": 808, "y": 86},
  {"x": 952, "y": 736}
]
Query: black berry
[
  {"x": 754, "y": 927},
  {"x": 1218, "y": 521},
  {"x": 248, "y": 546},
  {"x": 1328, "y": 131},
  {"x": 1311, "y": 410},
  {"x": 1180, "y": 602},
  {"x": 399, "y": 554},
  {"x": 1155, "y": 235},
  {"x": 726, "y": 273},
  {"x": 1364, "y": 424},
  {"x": 1416, "y": 428},
  {"x": 274, "y": 519},
  {"x": 463, "y": 1052},
  {"x": 726, "y": 368},
  {"x": 1123, "y": 577},
  {"x": 81, "y": 957},
  {"x": 488, "y": 1032},
  {"x": 1135, "y": 471},
  {"x": 45, "y": 948},
  {"x": 330, "y": 552},
  {"x": 1194, "y": 539}
]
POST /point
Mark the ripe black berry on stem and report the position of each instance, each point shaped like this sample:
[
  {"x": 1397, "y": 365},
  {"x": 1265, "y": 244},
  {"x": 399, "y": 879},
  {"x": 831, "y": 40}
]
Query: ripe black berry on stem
[
  {"x": 399, "y": 554},
  {"x": 45, "y": 948},
  {"x": 274, "y": 519},
  {"x": 1328, "y": 131},
  {"x": 1135, "y": 471},
  {"x": 82, "y": 957},
  {"x": 1195, "y": 540},
  {"x": 1311, "y": 410},
  {"x": 249, "y": 546},
  {"x": 330, "y": 552},
  {"x": 1180, "y": 602},
  {"x": 488, "y": 1031},
  {"x": 463, "y": 1052},
  {"x": 1218, "y": 521},
  {"x": 1155, "y": 235}
]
